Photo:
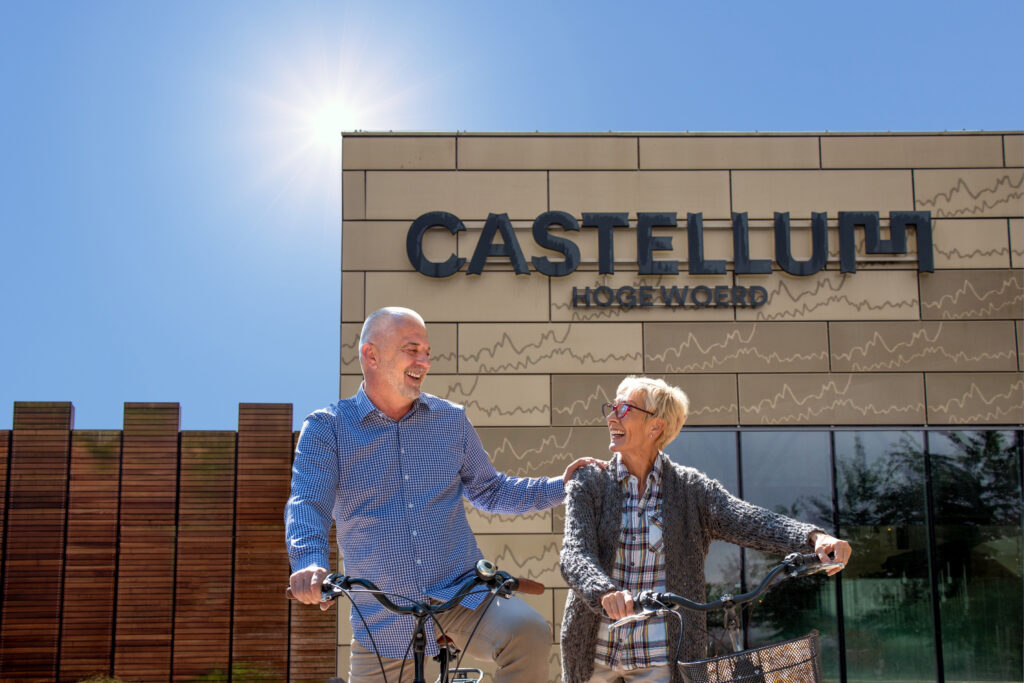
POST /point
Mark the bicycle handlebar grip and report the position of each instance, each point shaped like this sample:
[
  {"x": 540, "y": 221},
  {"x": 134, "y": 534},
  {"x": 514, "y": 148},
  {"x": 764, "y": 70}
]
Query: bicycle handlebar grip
[{"x": 530, "y": 586}]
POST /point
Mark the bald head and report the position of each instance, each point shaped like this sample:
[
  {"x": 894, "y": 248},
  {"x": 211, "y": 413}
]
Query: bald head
[{"x": 383, "y": 320}]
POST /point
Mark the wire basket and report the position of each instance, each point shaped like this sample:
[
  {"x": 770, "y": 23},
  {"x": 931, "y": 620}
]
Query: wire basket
[{"x": 791, "y": 661}]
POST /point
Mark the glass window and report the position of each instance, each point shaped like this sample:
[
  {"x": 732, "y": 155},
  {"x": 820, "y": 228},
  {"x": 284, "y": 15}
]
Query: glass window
[
  {"x": 791, "y": 473},
  {"x": 714, "y": 454},
  {"x": 887, "y": 609},
  {"x": 977, "y": 498}
]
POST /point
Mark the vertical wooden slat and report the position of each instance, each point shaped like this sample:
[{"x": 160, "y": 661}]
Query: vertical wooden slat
[
  {"x": 35, "y": 540},
  {"x": 206, "y": 501},
  {"x": 89, "y": 583},
  {"x": 313, "y": 638},
  {"x": 5, "y": 440},
  {"x": 259, "y": 641},
  {"x": 145, "y": 586}
]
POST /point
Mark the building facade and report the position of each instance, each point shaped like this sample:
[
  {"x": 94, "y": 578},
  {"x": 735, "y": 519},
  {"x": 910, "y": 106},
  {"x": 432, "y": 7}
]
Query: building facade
[{"x": 843, "y": 310}]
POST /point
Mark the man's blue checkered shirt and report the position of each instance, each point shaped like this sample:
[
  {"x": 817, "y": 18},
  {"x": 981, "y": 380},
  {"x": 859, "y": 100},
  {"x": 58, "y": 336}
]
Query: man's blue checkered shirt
[{"x": 394, "y": 490}]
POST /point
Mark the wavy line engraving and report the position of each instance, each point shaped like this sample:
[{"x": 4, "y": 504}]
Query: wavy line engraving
[
  {"x": 954, "y": 407},
  {"x": 819, "y": 405},
  {"x": 458, "y": 389},
  {"x": 506, "y": 557},
  {"x": 962, "y": 190},
  {"x": 999, "y": 297},
  {"x": 742, "y": 348},
  {"x": 782, "y": 289},
  {"x": 551, "y": 336},
  {"x": 599, "y": 395},
  {"x": 528, "y": 464},
  {"x": 916, "y": 345}
]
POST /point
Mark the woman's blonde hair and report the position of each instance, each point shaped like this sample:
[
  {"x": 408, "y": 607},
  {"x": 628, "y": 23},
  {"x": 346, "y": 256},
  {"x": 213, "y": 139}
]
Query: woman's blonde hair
[{"x": 664, "y": 400}]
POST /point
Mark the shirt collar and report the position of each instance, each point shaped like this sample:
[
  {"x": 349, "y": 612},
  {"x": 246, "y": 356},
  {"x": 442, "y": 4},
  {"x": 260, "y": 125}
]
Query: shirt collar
[
  {"x": 365, "y": 407},
  {"x": 654, "y": 477}
]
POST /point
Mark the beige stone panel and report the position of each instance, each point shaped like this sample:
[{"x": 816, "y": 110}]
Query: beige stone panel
[
  {"x": 350, "y": 348},
  {"x": 829, "y": 295},
  {"x": 975, "y": 346},
  {"x": 969, "y": 193},
  {"x": 762, "y": 193},
  {"x": 543, "y": 153},
  {"x": 736, "y": 347},
  {"x": 971, "y": 294},
  {"x": 343, "y": 658},
  {"x": 1020, "y": 345},
  {"x": 577, "y": 399},
  {"x": 970, "y": 243},
  {"x": 1013, "y": 150},
  {"x": 380, "y": 245},
  {"x": 975, "y": 398},
  {"x": 1016, "y": 243},
  {"x": 832, "y": 399},
  {"x": 553, "y": 348},
  {"x": 353, "y": 195},
  {"x": 405, "y": 195},
  {"x": 728, "y": 152},
  {"x": 911, "y": 151},
  {"x": 531, "y": 556},
  {"x": 491, "y": 297},
  {"x": 562, "y": 308},
  {"x": 397, "y": 152},
  {"x": 353, "y": 292},
  {"x": 542, "y": 451},
  {"x": 487, "y": 523},
  {"x": 633, "y": 191},
  {"x": 713, "y": 398},
  {"x": 496, "y": 400},
  {"x": 349, "y": 385}
]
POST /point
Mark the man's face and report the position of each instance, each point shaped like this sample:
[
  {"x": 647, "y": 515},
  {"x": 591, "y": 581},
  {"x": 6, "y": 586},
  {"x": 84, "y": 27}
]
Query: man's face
[{"x": 403, "y": 353}]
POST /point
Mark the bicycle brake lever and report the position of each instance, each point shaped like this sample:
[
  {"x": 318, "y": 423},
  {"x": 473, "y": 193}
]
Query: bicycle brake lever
[{"x": 629, "y": 619}]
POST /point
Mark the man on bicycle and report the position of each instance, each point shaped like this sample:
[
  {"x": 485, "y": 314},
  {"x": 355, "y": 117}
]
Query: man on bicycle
[{"x": 390, "y": 466}]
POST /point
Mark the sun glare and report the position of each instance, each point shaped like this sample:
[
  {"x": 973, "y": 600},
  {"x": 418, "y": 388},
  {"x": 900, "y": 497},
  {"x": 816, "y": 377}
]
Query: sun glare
[{"x": 298, "y": 112}]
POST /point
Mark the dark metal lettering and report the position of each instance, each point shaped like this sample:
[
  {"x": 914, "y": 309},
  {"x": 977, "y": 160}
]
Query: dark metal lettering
[
  {"x": 498, "y": 222},
  {"x": 741, "y": 248},
  {"x": 819, "y": 245},
  {"x": 646, "y": 243},
  {"x": 605, "y": 224},
  {"x": 695, "y": 240},
  {"x": 567, "y": 248},
  {"x": 414, "y": 243}
]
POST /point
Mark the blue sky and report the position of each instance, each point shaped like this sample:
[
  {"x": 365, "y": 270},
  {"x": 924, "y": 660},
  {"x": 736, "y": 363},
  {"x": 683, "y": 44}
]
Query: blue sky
[{"x": 170, "y": 171}]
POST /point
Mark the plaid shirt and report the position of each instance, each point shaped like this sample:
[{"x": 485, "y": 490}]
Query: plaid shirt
[
  {"x": 395, "y": 491},
  {"x": 639, "y": 565}
]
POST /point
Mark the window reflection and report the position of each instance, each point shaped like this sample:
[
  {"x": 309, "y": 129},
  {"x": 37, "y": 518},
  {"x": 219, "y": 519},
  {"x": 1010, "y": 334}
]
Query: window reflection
[
  {"x": 977, "y": 498},
  {"x": 886, "y": 590},
  {"x": 791, "y": 473}
]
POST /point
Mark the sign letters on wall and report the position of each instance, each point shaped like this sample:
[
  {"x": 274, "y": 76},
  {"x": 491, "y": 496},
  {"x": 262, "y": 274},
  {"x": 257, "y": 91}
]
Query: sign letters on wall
[{"x": 550, "y": 226}]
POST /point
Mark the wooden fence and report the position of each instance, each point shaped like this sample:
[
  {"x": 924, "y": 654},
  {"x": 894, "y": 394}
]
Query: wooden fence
[{"x": 149, "y": 553}]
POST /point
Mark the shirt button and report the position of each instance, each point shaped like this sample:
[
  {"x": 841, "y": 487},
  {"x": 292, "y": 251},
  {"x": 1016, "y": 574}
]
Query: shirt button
[
  {"x": 414, "y": 532},
  {"x": 403, "y": 451},
  {"x": 410, "y": 506},
  {"x": 419, "y": 561},
  {"x": 407, "y": 477}
]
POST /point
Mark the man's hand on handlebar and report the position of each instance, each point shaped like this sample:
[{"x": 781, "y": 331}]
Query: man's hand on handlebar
[
  {"x": 825, "y": 545},
  {"x": 305, "y": 586}
]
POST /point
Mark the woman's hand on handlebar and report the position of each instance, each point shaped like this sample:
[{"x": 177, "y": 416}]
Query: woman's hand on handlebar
[
  {"x": 306, "y": 586},
  {"x": 826, "y": 546},
  {"x": 618, "y": 604}
]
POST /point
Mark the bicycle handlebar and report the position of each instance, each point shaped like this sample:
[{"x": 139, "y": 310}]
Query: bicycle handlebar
[
  {"x": 486, "y": 574},
  {"x": 792, "y": 566}
]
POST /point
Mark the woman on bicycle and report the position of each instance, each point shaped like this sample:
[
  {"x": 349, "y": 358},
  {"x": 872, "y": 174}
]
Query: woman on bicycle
[{"x": 645, "y": 523}]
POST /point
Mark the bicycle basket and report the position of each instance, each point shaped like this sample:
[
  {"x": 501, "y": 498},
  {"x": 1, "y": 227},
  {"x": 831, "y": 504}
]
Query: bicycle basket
[{"x": 791, "y": 661}]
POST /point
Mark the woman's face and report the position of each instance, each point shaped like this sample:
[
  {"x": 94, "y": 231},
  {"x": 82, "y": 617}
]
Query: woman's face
[{"x": 630, "y": 434}]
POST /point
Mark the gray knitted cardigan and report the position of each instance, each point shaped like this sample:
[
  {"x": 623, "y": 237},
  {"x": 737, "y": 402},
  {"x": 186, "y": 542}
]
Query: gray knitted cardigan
[{"x": 696, "y": 510}]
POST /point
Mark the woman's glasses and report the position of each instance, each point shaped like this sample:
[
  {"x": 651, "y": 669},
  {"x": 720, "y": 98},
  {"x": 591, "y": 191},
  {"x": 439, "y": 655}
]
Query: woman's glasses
[{"x": 620, "y": 410}]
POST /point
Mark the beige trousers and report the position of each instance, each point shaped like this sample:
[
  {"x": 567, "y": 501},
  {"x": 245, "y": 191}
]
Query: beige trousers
[{"x": 512, "y": 634}]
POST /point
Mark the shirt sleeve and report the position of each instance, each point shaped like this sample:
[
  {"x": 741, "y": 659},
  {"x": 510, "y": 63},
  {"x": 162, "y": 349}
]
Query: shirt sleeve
[
  {"x": 495, "y": 492},
  {"x": 307, "y": 515}
]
